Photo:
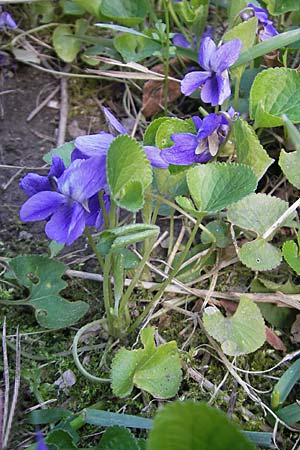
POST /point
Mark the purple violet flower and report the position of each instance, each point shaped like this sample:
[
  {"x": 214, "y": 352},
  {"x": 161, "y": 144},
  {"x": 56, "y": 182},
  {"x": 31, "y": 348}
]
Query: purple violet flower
[
  {"x": 191, "y": 148},
  {"x": 266, "y": 29},
  {"x": 215, "y": 77},
  {"x": 6, "y": 20},
  {"x": 41, "y": 444},
  {"x": 33, "y": 183},
  {"x": 98, "y": 144},
  {"x": 72, "y": 204}
]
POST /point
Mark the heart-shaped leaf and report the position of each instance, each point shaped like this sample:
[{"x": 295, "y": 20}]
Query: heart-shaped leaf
[
  {"x": 291, "y": 254},
  {"x": 172, "y": 126},
  {"x": 135, "y": 48},
  {"x": 257, "y": 212},
  {"x": 42, "y": 277},
  {"x": 65, "y": 44},
  {"x": 240, "y": 334},
  {"x": 129, "y": 172},
  {"x": 290, "y": 166},
  {"x": 129, "y": 12},
  {"x": 275, "y": 92},
  {"x": 260, "y": 255},
  {"x": 215, "y": 186},
  {"x": 278, "y": 7},
  {"x": 155, "y": 369},
  {"x": 195, "y": 426},
  {"x": 248, "y": 149},
  {"x": 118, "y": 438}
]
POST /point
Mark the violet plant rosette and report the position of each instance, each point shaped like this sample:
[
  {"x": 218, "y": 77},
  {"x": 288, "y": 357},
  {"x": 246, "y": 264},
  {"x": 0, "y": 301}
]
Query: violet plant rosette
[
  {"x": 266, "y": 29},
  {"x": 68, "y": 202},
  {"x": 214, "y": 80},
  {"x": 191, "y": 148}
]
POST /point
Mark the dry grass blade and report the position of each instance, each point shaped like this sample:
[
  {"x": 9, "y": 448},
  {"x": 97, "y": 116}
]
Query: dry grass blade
[{"x": 9, "y": 410}]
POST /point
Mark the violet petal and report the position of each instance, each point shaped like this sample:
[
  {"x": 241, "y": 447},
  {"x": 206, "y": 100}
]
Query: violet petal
[
  {"x": 41, "y": 205},
  {"x": 193, "y": 81}
]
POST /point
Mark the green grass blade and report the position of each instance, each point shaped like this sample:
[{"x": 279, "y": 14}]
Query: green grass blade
[
  {"x": 290, "y": 414},
  {"x": 260, "y": 438},
  {"x": 285, "y": 384},
  {"x": 274, "y": 43}
]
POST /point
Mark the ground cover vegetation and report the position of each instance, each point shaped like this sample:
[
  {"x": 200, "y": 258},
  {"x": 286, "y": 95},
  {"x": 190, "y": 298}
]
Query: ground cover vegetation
[{"x": 151, "y": 298}]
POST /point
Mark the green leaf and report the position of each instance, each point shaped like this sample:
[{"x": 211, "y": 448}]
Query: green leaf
[
  {"x": 61, "y": 439},
  {"x": 278, "y": 7},
  {"x": 129, "y": 12},
  {"x": 55, "y": 248},
  {"x": 66, "y": 46},
  {"x": 129, "y": 172},
  {"x": 151, "y": 130},
  {"x": 42, "y": 277},
  {"x": 195, "y": 426},
  {"x": 290, "y": 166},
  {"x": 47, "y": 416},
  {"x": 246, "y": 32},
  {"x": 187, "y": 204},
  {"x": 248, "y": 149},
  {"x": 273, "y": 93},
  {"x": 235, "y": 6},
  {"x": 108, "y": 419},
  {"x": 215, "y": 186},
  {"x": 221, "y": 232},
  {"x": 290, "y": 251},
  {"x": 92, "y": 6},
  {"x": 257, "y": 212},
  {"x": 240, "y": 334},
  {"x": 290, "y": 414},
  {"x": 70, "y": 8},
  {"x": 116, "y": 239},
  {"x": 63, "y": 151},
  {"x": 154, "y": 369},
  {"x": 285, "y": 384},
  {"x": 135, "y": 48},
  {"x": 260, "y": 255},
  {"x": 171, "y": 126},
  {"x": 118, "y": 438},
  {"x": 292, "y": 132}
]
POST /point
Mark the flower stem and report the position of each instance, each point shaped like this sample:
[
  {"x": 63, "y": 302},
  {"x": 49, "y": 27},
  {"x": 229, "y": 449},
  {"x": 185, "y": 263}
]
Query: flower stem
[
  {"x": 80, "y": 367},
  {"x": 166, "y": 55},
  {"x": 103, "y": 210},
  {"x": 169, "y": 279},
  {"x": 135, "y": 279},
  {"x": 94, "y": 247},
  {"x": 236, "y": 93}
]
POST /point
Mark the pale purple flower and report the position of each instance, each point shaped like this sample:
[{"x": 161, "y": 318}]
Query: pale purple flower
[
  {"x": 214, "y": 80},
  {"x": 191, "y": 148},
  {"x": 266, "y": 29},
  {"x": 98, "y": 144},
  {"x": 40, "y": 443},
  {"x": 69, "y": 202},
  {"x": 6, "y": 20}
]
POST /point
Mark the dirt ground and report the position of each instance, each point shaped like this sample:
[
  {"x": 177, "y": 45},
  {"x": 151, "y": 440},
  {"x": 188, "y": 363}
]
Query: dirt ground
[{"x": 22, "y": 144}]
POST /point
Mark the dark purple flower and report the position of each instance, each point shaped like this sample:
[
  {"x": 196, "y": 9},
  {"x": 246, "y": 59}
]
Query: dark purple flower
[
  {"x": 33, "y": 183},
  {"x": 191, "y": 148},
  {"x": 266, "y": 29},
  {"x": 98, "y": 144},
  {"x": 6, "y": 20},
  {"x": 72, "y": 205},
  {"x": 41, "y": 444},
  {"x": 215, "y": 77}
]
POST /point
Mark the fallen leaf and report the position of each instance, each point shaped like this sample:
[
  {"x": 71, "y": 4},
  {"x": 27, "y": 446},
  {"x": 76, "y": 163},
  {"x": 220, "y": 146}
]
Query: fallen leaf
[
  {"x": 274, "y": 340},
  {"x": 153, "y": 92},
  {"x": 295, "y": 330}
]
